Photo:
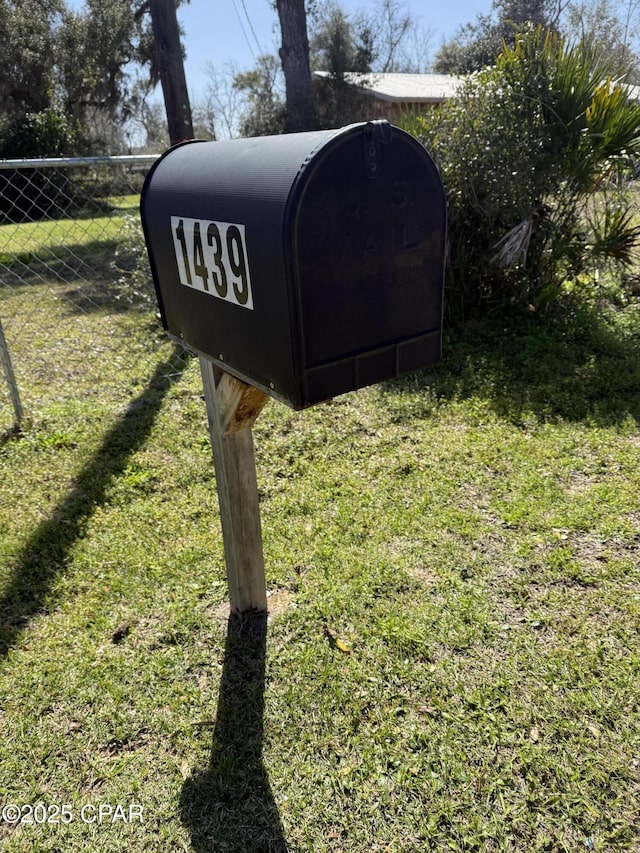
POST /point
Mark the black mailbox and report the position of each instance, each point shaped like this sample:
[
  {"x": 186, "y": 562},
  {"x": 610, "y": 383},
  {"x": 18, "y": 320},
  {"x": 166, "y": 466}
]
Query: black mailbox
[{"x": 306, "y": 264}]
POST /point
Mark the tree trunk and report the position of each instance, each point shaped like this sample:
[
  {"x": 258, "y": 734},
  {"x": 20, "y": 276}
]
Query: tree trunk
[
  {"x": 166, "y": 36},
  {"x": 294, "y": 55}
]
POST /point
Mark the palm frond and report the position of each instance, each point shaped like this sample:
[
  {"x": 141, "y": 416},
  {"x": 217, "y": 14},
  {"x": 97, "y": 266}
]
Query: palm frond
[
  {"x": 515, "y": 244},
  {"x": 615, "y": 237}
]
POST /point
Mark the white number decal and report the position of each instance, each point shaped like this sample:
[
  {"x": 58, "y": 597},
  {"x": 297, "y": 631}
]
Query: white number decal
[{"x": 212, "y": 258}]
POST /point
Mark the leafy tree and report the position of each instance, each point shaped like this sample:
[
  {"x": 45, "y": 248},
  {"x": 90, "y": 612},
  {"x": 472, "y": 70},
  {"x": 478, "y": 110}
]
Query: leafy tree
[
  {"x": 27, "y": 47},
  {"x": 340, "y": 48},
  {"x": 476, "y": 45},
  {"x": 533, "y": 155},
  {"x": 340, "y": 44},
  {"x": 89, "y": 65},
  {"x": 376, "y": 41},
  {"x": 266, "y": 111},
  {"x": 71, "y": 63},
  {"x": 611, "y": 27},
  {"x": 46, "y": 133},
  {"x": 31, "y": 124},
  {"x": 30, "y": 193},
  {"x": 93, "y": 65},
  {"x": 68, "y": 87}
]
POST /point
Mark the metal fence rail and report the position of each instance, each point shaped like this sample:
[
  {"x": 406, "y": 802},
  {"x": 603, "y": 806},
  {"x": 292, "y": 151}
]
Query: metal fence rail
[{"x": 74, "y": 293}]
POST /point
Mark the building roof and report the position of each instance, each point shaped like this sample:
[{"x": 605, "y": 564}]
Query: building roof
[
  {"x": 403, "y": 88},
  {"x": 421, "y": 88}
]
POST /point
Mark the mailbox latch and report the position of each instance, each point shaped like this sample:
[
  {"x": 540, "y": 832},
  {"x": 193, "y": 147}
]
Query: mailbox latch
[{"x": 376, "y": 133}]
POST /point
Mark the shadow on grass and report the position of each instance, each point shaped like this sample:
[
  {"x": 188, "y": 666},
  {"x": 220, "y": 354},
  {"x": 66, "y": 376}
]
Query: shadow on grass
[
  {"x": 582, "y": 368},
  {"x": 64, "y": 261},
  {"x": 96, "y": 282},
  {"x": 228, "y": 806},
  {"x": 45, "y": 554}
]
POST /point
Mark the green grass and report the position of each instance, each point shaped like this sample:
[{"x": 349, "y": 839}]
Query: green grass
[
  {"x": 46, "y": 239},
  {"x": 469, "y": 535}
]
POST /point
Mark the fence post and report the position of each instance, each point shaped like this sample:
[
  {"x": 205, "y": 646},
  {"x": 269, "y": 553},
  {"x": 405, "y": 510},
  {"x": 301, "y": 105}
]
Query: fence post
[{"x": 10, "y": 376}]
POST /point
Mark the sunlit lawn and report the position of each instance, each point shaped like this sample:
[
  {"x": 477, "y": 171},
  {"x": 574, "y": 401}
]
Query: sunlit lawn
[
  {"x": 47, "y": 238},
  {"x": 470, "y": 536}
]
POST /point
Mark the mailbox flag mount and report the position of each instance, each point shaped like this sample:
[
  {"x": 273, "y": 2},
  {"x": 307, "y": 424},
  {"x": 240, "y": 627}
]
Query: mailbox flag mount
[{"x": 306, "y": 264}]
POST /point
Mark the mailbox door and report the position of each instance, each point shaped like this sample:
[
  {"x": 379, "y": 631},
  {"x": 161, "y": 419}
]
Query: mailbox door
[{"x": 369, "y": 251}]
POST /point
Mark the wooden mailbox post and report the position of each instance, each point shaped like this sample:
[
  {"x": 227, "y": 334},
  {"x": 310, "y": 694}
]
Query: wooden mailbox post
[{"x": 232, "y": 408}]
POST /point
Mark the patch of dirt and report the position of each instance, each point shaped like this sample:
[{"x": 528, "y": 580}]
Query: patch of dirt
[
  {"x": 425, "y": 575},
  {"x": 579, "y": 483},
  {"x": 278, "y": 602}
]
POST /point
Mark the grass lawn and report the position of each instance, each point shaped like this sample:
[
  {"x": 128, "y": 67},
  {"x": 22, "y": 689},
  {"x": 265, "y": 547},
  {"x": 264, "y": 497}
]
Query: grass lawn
[
  {"x": 452, "y": 658},
  {"x": 45, "y": 239}
]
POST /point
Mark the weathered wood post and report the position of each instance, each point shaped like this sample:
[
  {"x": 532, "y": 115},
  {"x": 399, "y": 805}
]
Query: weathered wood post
[{"x": 232, "y": 408}]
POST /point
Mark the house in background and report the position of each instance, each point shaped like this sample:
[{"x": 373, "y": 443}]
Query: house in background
[{"x": 395, "y": 95}]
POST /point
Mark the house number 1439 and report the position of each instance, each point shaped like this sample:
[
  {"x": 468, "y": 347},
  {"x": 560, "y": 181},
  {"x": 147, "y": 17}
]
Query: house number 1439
[{"x": 212, "y": 258}]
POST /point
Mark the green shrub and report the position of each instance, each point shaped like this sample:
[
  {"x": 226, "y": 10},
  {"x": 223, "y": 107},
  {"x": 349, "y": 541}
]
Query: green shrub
[
  {"x": 31, "y": 194},
  {"x": 47, "y": 133},
  {"x": 133, "y": 285},
  {"x": 535, "y": 155}
]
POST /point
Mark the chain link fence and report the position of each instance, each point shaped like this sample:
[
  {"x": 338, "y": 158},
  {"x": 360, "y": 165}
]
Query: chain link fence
[{"x": 77, "y": 307}]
